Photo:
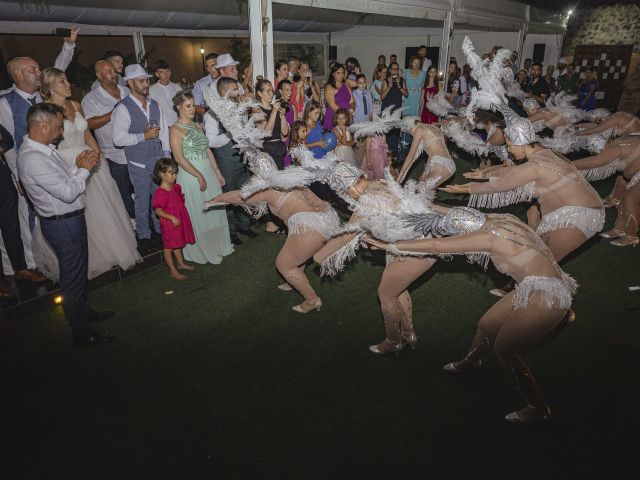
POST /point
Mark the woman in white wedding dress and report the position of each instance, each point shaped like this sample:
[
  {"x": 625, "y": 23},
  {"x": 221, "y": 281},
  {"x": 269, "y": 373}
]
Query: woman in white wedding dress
[{"x": 111, "y": 239}]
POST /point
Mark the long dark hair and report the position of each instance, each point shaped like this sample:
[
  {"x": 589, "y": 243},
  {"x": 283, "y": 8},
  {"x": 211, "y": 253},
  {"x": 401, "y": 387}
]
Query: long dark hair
[
  {"x": 311, "y": 105},
  {"x": 334, "y": 68},
  {"x": 435, "y": 77},
  {"x": 294, "y": 140}
]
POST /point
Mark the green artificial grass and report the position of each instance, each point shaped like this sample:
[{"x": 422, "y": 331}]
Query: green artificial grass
[{"x": 221, "y": 379}]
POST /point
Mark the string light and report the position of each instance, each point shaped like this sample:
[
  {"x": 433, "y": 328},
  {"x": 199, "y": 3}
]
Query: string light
[
  {"x": 57, "y": 299},
  {"x": 201, "y": 50},
  {"x": 569, "y": 12}
]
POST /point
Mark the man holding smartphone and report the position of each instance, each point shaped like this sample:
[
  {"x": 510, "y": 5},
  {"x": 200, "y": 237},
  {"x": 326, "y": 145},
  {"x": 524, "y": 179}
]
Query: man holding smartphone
[
  {"x": 391, "y": 93},
  {"x": 14, "y": 105}
]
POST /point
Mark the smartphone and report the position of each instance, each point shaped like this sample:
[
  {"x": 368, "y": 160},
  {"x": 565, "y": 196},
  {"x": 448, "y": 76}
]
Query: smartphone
[{"x": 62, "y": 32}]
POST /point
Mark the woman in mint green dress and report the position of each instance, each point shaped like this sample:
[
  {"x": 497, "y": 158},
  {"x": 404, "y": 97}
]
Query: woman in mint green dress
[{"x": 200, "y": 180}]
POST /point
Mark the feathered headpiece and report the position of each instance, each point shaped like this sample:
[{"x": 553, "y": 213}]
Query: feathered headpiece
[
  {"x": 389, "y": 119},
  {"x": 565, "y": 141},
  {"x": 519, "y": 130},
  {"x": 343, "y": 177},
  {"x": 460, "y": 133},
  {"x": 236, "y": 118},
  {"x": 490, "y": 75},
  {"x": 438, "y": 105}
]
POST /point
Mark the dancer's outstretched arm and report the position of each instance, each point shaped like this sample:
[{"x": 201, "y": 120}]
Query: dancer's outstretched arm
[
  {"x": 601, "y": 127},
  {"x": 606, "y": 156},
  {"x": 477, "y": 242},
  {"x": 510, "y": 178},
  {"x": 233, "y": 197}
]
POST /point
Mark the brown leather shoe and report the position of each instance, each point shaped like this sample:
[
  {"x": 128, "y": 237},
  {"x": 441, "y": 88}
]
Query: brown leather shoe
[
  {"x": 5, "y": 291},
  {"x": 29, "y": 276}
]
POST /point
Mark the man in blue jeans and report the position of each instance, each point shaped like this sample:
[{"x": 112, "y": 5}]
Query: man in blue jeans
[{"x": 57, "y": 193}]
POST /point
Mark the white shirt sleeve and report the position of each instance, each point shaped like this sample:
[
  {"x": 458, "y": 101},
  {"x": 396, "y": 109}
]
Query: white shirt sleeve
[
  {"x": 120, "y": 123},
  {"x": 65, "y": 56},
  {"x": 64, "y": 188},
  {"x": 164, "y": 133},
  {"x": 89, "y": 107},
  {"x": 212, "y": 130}
]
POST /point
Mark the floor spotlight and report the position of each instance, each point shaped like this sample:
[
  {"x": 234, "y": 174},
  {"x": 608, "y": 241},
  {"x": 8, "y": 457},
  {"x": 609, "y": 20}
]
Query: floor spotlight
[{"x": 57, "y": 299}]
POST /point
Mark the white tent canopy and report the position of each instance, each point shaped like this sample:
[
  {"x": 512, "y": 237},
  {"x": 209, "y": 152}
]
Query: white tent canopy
[{"x": 436, "y": 20}]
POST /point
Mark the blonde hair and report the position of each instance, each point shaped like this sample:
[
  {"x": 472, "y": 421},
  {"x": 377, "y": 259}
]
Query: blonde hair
[
  {"x": 48, "y": 77},
  {"x": 181, "y": 97}
]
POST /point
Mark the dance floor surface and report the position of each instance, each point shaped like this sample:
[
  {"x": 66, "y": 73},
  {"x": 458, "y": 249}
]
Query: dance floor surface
[{"x": 221, "y": 379}]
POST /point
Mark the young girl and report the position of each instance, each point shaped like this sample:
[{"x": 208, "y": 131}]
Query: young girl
[
  {"x": 344, "y": 150},
  {"x": 175, "y": 223},
  {"x": 311, "y": 119},
  {"x": 299, "y": 132}
]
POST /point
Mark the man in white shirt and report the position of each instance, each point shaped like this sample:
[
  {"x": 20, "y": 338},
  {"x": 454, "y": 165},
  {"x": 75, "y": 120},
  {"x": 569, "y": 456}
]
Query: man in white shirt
[
  {"x": 163, "y": 92},
  {"x": 138, "y": 127},
  {"x": 562, "y": 68},
  {"x": 57, "y": 193},
  {"x": 14, "y": 105},
  {"x": 198, "y": 88},
  {"x": 116, "y": 58},
  {"x": 422, "y": 53},
  {"x": 98, "y": 106}
]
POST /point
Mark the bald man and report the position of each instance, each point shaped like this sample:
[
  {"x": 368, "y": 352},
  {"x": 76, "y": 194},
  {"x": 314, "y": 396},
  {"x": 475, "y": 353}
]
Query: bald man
[
  {"x": 98, "y": 106},
  {"x": 14, "y": 105}
]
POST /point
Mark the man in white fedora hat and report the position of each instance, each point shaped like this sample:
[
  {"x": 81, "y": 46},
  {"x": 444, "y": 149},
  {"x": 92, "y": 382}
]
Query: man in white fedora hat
[{"x": 138, "y": 127}]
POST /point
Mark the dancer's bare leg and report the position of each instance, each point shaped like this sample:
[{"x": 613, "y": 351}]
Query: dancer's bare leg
[
  {"x": 527, "y": 327},
  {"x": 396, "y": 278},
  {"x": 487, "y": 330},
  {"x": 563, "y": 241},
  {"x": 616, "y": 194},
  {"x": 628, "y": 217},
  {"x": 290, "y": 261}
]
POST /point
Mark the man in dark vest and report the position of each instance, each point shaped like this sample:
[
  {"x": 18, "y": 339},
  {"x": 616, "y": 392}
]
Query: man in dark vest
[{"x": 138, "y": 127}]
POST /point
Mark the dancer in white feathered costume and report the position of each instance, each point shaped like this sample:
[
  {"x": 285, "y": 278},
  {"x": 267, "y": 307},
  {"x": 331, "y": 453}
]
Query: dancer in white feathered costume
[
  {"x": 311, "y": 221},
  {"x": 374, "y": 204},
  {"x": 537, "y": 306}
]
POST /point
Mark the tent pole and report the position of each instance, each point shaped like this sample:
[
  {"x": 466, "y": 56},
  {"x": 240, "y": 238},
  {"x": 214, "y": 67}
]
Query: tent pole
[
  {"x": 447, "y": 30},
  {"x": 261, "y": 38},
  {"x": 522, "y": 35},
  {"x": 138, "y": 46}
]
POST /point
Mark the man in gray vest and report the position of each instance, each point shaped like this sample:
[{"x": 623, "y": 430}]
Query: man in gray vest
[{"x": 137, "y": 126}]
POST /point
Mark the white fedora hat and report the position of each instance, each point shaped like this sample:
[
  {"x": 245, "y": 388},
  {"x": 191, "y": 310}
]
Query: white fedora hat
[
  {"x": 135, "y": 71},
  {"x": 225, "y": 60}
]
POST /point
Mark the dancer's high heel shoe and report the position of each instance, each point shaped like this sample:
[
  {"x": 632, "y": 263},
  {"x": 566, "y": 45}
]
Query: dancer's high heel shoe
[
  {"x": 625, "y": 241},
  {"x": 529, "y": 414},
  {"x": 285, "y": 287},
  {"x": 387, "y": 347},
  {"x": 610, "y": 202},
  {"x": 613, "y": 233},
  {"x": 463, "y": 366},
  {"x": 308, "y": 306},
  {"x": 472, "y": 362},
  {"x": 410, "y": 339}
]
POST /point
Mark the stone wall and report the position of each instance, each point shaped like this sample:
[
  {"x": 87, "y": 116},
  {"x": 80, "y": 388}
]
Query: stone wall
[{"x": 610, "y": 25}]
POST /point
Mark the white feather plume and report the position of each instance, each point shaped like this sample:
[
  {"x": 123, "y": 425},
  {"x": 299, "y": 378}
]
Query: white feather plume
[{"x": 461, "y": 134}]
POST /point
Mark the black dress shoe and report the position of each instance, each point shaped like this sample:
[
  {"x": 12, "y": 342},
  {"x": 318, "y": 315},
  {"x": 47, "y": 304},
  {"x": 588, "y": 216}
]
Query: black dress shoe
[
  {"x": 93, "y": 340},
  {"x": 249, "y": 233},
  {"x": 5, "y": 291},
  {"x": 99, "y": 316},
  {"x": 235, "y": 240}
]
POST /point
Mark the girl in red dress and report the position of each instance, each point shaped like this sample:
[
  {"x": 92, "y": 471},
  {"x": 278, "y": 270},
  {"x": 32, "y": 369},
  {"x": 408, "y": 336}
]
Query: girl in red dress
[
  {"x": 175, "y": 223},
  {"x": 429, "y": 90}
]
